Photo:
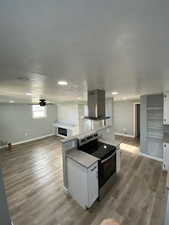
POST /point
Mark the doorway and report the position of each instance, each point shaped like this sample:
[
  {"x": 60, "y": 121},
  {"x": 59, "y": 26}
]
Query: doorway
[{"x": 137, "y": 120}]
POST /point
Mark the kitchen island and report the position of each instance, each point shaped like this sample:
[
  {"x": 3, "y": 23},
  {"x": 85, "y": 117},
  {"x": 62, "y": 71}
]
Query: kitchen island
[
  {"x": 81, "y": 167},
  {"x": 167, "y": 207}
]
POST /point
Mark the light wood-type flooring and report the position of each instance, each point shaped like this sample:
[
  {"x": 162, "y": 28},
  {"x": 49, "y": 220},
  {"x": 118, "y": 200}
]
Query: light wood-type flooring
[{"x": 34, "y": 187}]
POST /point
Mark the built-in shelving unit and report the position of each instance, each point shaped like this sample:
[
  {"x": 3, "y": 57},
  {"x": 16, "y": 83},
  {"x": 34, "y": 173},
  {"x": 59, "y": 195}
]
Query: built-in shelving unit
[
  {"x": 152, "y": 125},
  {"x": 154, "y": 122}
]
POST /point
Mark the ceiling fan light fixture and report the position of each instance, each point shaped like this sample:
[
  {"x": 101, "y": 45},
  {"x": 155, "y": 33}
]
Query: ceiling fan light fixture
[{"x": 42, "y": 102}]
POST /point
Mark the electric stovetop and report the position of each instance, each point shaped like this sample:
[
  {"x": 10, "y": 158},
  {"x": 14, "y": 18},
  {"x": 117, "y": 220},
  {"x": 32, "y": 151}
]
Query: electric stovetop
[{"x": 98, "y": 149}]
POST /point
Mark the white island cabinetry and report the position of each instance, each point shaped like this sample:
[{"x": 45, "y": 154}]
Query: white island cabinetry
[
  {"x": 83, "y": 182},
  {"x": 167, "y": 207}
]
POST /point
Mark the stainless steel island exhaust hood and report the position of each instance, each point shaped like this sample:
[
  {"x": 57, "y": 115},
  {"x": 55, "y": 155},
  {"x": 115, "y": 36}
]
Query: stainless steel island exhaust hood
[{"x": 96, "y": 105}]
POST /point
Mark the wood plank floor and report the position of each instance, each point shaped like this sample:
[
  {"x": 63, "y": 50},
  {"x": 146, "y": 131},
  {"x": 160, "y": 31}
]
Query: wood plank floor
[{"x": 34, "y": 187}]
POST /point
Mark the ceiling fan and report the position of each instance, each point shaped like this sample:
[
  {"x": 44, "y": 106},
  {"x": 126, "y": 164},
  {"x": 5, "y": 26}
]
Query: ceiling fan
[{"x": 42, "y": 102}]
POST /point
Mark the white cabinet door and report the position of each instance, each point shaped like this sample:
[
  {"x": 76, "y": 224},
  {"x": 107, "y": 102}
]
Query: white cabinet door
[
  {"x": 166, "y": 108},
  {"x": 93, "y": 190},
  {"x": 118, "y": 160},
  {"x": 77, "y": 182},
  {"x": 166, "y": 156},
  {"x": 83, "y": 183}
]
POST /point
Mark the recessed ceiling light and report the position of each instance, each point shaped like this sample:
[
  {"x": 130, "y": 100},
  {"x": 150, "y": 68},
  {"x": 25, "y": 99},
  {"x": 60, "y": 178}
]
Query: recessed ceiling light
[
  {"x": 62, "y": 83},
  {"x": 115, "y": 93},
  {"x": 11, "y": 101},
  {"x": 29, "y": 94}
]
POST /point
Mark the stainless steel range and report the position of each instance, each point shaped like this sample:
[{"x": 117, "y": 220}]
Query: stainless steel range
[{"x": 106, "y": 154}]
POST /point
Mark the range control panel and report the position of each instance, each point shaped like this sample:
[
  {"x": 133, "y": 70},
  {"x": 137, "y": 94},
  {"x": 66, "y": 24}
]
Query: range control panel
[{"x": 87, "y": 139}]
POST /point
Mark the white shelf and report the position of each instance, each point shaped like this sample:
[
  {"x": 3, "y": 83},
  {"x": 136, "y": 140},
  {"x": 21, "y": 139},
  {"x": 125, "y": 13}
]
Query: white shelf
[
  {"x": 155, "y": 128},
  {"x": 155, "y": 137},
  {"x": 155, "y": 118},
  {"x": 154, "y": 108}
]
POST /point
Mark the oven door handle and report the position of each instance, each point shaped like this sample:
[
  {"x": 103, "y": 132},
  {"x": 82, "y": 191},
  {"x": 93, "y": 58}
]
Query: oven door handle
[{"x": 108, "y": 158}]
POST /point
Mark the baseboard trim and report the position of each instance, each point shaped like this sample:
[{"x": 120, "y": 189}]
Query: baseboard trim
[
  {"x": 3, "y": 146},
  {"x": 151, "y": 157},
  {"x": 29, "y": 140},
  {"x": 125, "y": 135}
]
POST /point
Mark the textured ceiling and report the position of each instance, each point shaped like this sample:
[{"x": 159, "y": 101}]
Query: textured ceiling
[{"x": 118, "y": 45}]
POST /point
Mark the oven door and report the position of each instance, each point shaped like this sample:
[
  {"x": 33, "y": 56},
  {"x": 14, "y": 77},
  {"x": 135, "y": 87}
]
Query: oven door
[{"x": 107, "y": 168}]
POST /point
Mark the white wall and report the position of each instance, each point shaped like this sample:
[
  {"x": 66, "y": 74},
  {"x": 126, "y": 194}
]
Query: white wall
[
  {"x": 17, "y": 124},
  {"x": 74, "y": 113},
  {"x": 110, "y": 111},
  {"x": 84, "y": 125},
  {"x": 124, "y": 117},
  {"x": 67, "y": 113}
]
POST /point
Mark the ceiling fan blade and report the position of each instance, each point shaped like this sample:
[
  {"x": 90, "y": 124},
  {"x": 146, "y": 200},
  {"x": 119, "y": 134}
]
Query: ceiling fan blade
[
  {"x": 38, "y": 103},
  {"x": 50, "y": 103}
]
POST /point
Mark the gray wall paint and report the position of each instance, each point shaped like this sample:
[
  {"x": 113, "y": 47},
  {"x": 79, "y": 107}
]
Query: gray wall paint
[
  {"x": 4, "y": 213},
  {"x": 143, "y": 124},
  {"x": 16, "y": 120},
  {"x": 124, "y": 117}
]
